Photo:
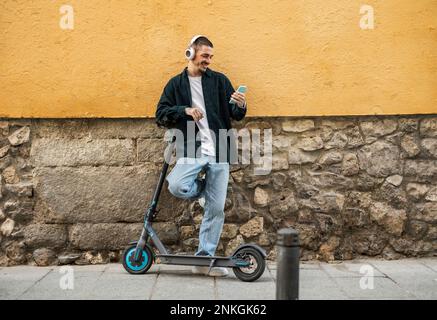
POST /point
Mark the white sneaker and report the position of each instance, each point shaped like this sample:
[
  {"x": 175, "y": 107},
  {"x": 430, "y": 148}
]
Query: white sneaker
[
  {"x": 200, "y": 270},
  {"x": 201, "y": 202},
  {"x": 218, "y": 272}
]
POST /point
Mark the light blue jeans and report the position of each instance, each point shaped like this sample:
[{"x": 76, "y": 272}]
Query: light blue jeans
[{"x": 183, "y": 183}]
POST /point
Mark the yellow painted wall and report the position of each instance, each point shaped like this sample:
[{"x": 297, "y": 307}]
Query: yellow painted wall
[{"x": 297, "y": 57}]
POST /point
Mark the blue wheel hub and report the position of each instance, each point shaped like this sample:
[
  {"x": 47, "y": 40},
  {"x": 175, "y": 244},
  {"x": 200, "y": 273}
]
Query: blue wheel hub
[{"x": 136, "y": 266}]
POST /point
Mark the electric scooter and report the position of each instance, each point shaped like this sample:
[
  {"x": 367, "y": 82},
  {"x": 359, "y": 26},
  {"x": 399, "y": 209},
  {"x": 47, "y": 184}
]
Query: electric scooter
[{"x": 247, "y": 261}]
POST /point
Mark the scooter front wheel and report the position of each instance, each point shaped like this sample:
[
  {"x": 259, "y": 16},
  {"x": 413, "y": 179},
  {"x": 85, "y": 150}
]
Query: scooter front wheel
[
  {"x": 256, "y": 266},
  {"x": 137, "y": 267}
]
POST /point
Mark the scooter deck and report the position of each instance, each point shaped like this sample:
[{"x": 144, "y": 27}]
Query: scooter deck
[{"x": 206, "y": 261}]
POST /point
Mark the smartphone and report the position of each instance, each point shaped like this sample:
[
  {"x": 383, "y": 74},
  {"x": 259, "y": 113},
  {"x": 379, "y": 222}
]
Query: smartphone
[{"x": 241, "y": 89}]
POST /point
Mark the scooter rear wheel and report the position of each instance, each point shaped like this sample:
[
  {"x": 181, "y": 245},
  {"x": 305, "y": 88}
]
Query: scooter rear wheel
[
  {"x": 140, "y": 267},
  {"x": 256, "y": 266}
]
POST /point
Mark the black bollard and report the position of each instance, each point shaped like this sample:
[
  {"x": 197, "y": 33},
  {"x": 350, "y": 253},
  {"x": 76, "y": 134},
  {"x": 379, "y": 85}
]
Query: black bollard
[{"x": 287, "y": 273}]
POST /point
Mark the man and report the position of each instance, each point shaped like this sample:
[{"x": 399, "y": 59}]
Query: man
[{"x": 199, "y": 99}]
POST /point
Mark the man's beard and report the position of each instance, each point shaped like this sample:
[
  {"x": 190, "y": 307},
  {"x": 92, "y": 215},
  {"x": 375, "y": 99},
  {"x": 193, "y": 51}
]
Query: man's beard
[{"x": 203, "y": 67}]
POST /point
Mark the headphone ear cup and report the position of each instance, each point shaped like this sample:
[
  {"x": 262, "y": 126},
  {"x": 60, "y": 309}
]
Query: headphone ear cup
[{"x": 190, "y": 53}]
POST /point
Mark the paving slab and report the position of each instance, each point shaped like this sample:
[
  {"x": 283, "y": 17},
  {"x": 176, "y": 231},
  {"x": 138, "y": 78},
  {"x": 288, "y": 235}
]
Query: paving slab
[
  {"x": 350, "y": 269},
  {"x": 14, "y": 281},
  {"x": 178, "y": 281},
  {"x": 430, "y": 263},
  {"x": 412, "y": 276},
  {"x": 53, "y": 287},
  {"x": 321, "y": 293},
  {"x": 136, "y": 289},
  {"x": 399, "y": 279},
  {"x": 382, "y": 288}
]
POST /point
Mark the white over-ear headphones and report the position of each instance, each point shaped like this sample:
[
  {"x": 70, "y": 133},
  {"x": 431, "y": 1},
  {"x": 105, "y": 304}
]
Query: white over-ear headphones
[{"x": 190, "y": 53}]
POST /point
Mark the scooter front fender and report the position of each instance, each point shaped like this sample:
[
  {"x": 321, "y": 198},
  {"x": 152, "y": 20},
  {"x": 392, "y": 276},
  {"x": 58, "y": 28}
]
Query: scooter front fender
[{"x": 251, "y": 245}]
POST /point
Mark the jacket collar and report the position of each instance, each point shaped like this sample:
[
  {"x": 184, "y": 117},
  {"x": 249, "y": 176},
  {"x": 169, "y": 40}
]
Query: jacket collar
[{"x": 208, "y": 72}]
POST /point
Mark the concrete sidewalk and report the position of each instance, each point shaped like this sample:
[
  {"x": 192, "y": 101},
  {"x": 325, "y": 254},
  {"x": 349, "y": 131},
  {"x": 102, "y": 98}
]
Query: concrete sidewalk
[{"x": 400, "y": 279}]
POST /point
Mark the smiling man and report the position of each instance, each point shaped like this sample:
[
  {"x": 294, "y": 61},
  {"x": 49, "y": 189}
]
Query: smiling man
[{"x": 200, "y": 97}]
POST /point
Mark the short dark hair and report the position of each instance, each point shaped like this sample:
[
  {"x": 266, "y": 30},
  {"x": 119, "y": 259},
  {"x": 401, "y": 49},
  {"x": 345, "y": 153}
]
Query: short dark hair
[{"x": 202, "y": 41}]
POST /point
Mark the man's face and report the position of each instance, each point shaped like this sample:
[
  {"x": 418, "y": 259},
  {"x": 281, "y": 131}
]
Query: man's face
[{"x": 203, "y": 57}]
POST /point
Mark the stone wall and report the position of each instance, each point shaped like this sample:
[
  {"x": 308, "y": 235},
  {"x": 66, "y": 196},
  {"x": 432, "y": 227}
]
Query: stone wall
[{"x": 75, "y": 191}]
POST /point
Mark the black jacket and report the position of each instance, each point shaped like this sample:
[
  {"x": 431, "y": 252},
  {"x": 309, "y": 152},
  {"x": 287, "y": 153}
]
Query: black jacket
[{"x": 217, "y": 91}]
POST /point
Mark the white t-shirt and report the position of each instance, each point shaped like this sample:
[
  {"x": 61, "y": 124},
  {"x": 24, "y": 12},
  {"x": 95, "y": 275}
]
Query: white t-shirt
[{"x": 208, "y": 145}]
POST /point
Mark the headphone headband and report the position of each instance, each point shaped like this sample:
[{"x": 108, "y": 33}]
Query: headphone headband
[
  {"x": 190, "y": 53},
  {"x": 195, "y": 38}
]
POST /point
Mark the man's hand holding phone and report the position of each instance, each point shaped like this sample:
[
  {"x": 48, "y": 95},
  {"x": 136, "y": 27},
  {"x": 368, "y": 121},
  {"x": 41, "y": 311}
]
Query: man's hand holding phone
[
  {"x": 239, "y": 96},
  {"x": 195, "y": 112}
]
